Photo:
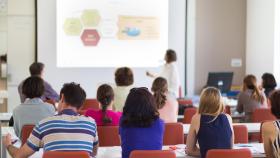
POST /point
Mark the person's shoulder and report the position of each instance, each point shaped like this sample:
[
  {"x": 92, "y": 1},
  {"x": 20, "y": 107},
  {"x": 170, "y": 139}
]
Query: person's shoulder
[
  {"x": 87, "y": 119},
  {"x": 268, "y": 127}
]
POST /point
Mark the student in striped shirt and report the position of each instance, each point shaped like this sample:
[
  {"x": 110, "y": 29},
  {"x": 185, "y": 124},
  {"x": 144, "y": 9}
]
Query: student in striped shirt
[{"x": 66, "y": 131}]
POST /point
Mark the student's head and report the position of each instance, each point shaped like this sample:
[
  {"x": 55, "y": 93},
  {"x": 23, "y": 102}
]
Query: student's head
[
  {"x": 250, "y": 83},
  {"x": 275, "y": 103},
  {"x": 33, "y": 87},
  {"x": 268, "y": 81},
  {"x": 170, "y": 56},
  {"x": 72, "y": 95},
  {"x": 211, "y": 102},
  {"x": 139, "y": 109},
  {"x": 105, "y": 96},
  {"x": 124, "y": 76},
  {"x": 36, "y": 69},
  {"x": 159, "y": 89}
]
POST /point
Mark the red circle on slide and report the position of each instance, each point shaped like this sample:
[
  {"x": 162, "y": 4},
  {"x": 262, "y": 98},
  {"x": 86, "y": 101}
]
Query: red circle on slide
[{"x": 90, "y": 37}]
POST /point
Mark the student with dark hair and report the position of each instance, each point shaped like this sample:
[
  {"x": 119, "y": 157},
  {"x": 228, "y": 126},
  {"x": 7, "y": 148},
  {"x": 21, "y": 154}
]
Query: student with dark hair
[
  {"x": 169, "y": 72},
  {"x": 271, "y": 129},
  {"x": 67, "y": 131},
  {"x": 124, "y": 80},
  {"x": 106, "y": 116},
  {"x": 37, "y": 69},
  {"x": 250, "y": 98},
  {"x": 33, "y": 109},
  {"x": 268, "y": 83},
  {"x": 140, "y": 125},
  {"x": 167, "y": 104}
]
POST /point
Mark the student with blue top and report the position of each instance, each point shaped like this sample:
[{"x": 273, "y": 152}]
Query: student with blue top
[
  {"x": 140, "y": 125},
  {"x": 210, "y": 127}
]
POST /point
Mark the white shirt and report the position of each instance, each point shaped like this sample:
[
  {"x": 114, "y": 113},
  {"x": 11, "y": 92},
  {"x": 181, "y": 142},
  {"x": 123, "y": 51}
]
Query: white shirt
[{"x": 171, "y": 74}]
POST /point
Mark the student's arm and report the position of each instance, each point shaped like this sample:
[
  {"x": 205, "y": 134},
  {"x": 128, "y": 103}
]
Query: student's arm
[
  {"x": 23, "y": 152},
  {"x": 230, "y": 122},
  {"x": 192, "y": 148},
  {"x": 268, "y": 130}
]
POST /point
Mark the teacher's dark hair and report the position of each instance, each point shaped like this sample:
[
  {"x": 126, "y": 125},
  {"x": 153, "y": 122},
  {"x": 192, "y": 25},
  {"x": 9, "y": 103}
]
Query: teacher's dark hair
[
  {"x": 139, "y": 109},
  {"x": 170, "y": 56}
]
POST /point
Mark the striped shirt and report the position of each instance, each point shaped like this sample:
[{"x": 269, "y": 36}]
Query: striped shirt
[{"x": 64, "y": 132}]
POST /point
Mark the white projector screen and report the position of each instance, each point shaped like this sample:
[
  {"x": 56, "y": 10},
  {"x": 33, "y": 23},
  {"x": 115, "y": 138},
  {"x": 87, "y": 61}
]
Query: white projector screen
[
  {"x": 91, "y": 77},
  {"x": 120, "y": 32}
]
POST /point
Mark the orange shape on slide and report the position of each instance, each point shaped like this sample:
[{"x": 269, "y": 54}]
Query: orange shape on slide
[{"x": 90, "y": 37}]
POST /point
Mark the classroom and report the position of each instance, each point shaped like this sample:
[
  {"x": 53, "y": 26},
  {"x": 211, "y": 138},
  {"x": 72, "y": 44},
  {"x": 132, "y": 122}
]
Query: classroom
[{"x": 140, "y": 78}]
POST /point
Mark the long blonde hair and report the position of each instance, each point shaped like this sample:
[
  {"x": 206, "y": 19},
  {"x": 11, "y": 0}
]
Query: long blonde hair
[
  {"x": 250, "y": 82},
  {"x": 211, "y": 102}
]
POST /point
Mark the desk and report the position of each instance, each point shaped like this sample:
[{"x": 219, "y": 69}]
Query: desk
[
  {"x": 252, "y": 127},
  {"x": 5, "y": 117},
  {"x": 115, "y": 152}
]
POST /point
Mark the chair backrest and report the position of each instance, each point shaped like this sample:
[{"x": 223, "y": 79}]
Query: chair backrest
[
  {"x": 229, "y": 153},
  {"x": 227, "y": 110},
  {"x": 173, "y": 134},
  {"x": 90, "y": 104},
  {"x": 25, "y": 133},
  {"x": 240, "y": 134},
  {"x": 152, "y": 154},
  {"x": 185, "y": 102},
  {"x": 66, "y": 154},
  {"x": 188, "y": 114},
  {"x": 262, "y": 114},
  {"x": 108, "y": 136}
]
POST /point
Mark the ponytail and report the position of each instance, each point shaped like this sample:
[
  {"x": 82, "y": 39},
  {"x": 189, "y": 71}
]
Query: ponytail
[
  {"x": 160, "y": 98},
  {"x": 250, "y": 82},
  {"x": 159, "y": 88},
  {"x": 105, "y": 118},
  {"x": 256, "y": 95},
  {"x": 105, "y": 96}
]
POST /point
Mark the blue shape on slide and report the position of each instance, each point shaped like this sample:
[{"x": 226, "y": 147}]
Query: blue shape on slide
[{"x": 133, "y": 32}]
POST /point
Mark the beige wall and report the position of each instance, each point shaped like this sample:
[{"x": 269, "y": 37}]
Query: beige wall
[{"x": 220, "y": 36}]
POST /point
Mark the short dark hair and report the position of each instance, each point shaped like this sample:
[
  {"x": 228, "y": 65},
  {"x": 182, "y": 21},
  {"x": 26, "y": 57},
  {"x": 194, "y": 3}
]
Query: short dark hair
[
  {"x": 105, "y": 96},
  {"x": 36, "y": 69},
  {"x": 33, "y": 87},
  {"x": 170, "y": 56},
  {"x": 275, "y": 103},
  {"x": 139, "y": 109},
  {"x": 124, "y": 76},
  {"x": 74, "y": 94},
  {"x": 268, "y": 81}
]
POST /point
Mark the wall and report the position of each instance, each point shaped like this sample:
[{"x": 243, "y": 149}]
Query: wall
[
  {"x": 263, "y": 35},
  {"x": 21, "y": 45},
  {"x": 220, "y": 36}
]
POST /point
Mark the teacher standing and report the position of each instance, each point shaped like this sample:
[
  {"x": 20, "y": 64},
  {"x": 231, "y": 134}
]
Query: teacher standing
[{"x": 169, "y": 72}]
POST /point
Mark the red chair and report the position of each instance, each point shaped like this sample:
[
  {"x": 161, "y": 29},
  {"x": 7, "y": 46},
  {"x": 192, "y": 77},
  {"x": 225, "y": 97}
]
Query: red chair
[
  {"x": 185, "y": 102},
  {"x": 108, "y": 136},
  {"x": 173, "y": 134},
  {"x": 240, "y": 134},
  {"x": 25, "y": 133},
  {"x": 229, "y": 153},
  {"x": 66, "y": 154},
  {"x": 188, "y": 114},
  {"x": 227, "y": 110},
  {"x": 262, "y": 114},
  {"x": 90, "y": 104},
  {"x": 152, "y": 154}
]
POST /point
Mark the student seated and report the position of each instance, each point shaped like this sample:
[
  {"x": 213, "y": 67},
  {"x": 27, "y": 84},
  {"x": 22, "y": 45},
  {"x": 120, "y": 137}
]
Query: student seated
[
  {"x": 140, "y": 125},
  {"x": 33, "y": 109},
  {"x": 167, "y": 104},
  {"x": 67, "y": 131},
  {"x": 37, "y": 69},
  {"x": 106, "y": 116},
  {"x": 210, "y": 127},
  {"x": 268, "y": 83},
  {"x": 271, "y": 129},
  {"x": 124, "y": 80},
  {"x": 250, "y": 98}
]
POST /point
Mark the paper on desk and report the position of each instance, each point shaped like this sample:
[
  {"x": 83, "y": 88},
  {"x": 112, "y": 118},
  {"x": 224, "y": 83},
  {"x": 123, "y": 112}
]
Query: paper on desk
[{"x": 255, "y": 148}]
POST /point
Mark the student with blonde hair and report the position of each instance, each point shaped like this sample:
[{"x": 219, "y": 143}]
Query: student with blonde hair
[
  {"x": 210, "y": 127},
  {"x": 250, "y": 98},
  {"x": 167, "y": 104}
]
